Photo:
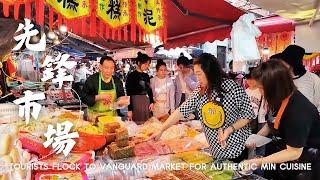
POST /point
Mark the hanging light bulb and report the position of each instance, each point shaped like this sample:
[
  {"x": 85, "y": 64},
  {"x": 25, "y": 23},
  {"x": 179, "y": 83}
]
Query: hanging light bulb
[
  {"x": 56, "y": 42},
  {"x": 51, "y": 35},
  {"x": 35, "y": 39},
  {"x": 63, "y": 28}
]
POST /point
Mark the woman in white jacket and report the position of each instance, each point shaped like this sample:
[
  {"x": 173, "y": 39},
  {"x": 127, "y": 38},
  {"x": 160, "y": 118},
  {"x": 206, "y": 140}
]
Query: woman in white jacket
[{"x": 163, "y": 91}]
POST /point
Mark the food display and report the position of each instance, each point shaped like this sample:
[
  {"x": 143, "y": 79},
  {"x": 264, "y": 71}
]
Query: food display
[
  {"x": 195, "y": 157},
  {"x": 121, "y": 134},
  {"x": 174, "y": 132},
  {"x": 116, "y": 152},
  {"x": 151, "y": 148},
  {"x": 61, "y": 175},
  {"x": 184, "y": 144},
  {"x": 11, "y": 151},
  {"x": 214, "y": 173},
  {"x": 187, "y": 174}
]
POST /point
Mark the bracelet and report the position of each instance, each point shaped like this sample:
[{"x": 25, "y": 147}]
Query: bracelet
[{"x": 233, "y": 129}]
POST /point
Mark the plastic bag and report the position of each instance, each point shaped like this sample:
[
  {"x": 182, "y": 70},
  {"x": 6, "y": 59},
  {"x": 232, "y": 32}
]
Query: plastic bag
[{"x": 132, "y": 127}]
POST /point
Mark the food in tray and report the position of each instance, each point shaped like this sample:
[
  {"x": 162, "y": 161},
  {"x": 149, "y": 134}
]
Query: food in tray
[
  {"x": 187, "y": 174},
  {"x": 145, "y": 149},
  {"x": 174, "y": 132},
  {"x": 151, "y": 148},
  {"x": 87, "y": 142},
  {"x": 214, "y": 171},
  {"x": 111, "y": 127},
  {"x": 60, "y": 176},
  {"x": 116, "y": 152},
  {"x": 122, "y": 143},
  {"x": 195, "y": 157},
  {"x": 68, "y": 115},
  {"x": 165, "y": 176},
  {"x": 5, "y": 140},
  {"x": 122, "y": 133},
  {"x": 11, "y": 152},
  {"x": 149, "y": 127},
  {"x": 110, "y": 137},
  {"x": 191, "y": 132},
  {"x": 90, "y": 129},
  {"x": 33, "y": 127},
  {"x": 33, "y": 144},
  {"x": 183, "y": 145}
]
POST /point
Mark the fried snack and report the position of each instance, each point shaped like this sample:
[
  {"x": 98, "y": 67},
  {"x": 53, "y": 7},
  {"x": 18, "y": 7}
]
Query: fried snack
[
  {"x": 121, "y": 134},
  {"x": 111, "y": 137},
  {"x": 111, "y": 127},
  {"x": 116, "y": 152},
  {"x": 122, "y": 143}
]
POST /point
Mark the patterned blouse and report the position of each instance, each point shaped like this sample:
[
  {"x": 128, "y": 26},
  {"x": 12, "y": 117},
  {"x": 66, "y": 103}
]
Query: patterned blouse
[{"x": 236, "y": 105}]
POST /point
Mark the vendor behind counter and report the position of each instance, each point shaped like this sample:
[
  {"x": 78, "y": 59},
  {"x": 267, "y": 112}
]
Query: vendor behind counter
[{"x": 102, "y": 89}]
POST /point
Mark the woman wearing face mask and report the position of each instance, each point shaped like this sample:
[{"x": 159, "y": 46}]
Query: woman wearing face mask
[
  {"x": 223, "y": 107},
  {"x": 297, "y": 123},
  {"x": 138, "y": 88},
  {"x": 163, "y": 91}
]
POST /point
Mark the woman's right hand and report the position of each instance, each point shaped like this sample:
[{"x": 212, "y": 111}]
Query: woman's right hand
[
  {"x": 251, "y": 146},
  {"x": 129, "y": 115},
  {"x": 156, "y": 135}
]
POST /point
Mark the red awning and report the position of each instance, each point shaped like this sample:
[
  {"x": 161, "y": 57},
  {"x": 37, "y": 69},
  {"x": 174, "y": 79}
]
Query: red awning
[
  {"x": 213, "y": 21},
  {"x": 275, "y": 24},
  {"x": 204, "y": 20}
]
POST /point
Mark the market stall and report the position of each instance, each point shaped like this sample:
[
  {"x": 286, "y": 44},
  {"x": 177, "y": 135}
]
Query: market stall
[{"x": 46, "y": 130}]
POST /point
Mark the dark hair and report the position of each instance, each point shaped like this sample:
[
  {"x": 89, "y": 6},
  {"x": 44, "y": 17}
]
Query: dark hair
[
  {"x": 231, "y": 64},
  {"x": 106, "y": 58},
  {"x": 249, "y": 75},
  {"x": 276, "y": 81},
  {"x": 183, "y": 60},
  {"x": 213, "y": 71},
  {"x": 142, "y": 58},
  {"x": 276, "y": 56},
  {"x": 160, "y": 63},
  {"x": 293, "y": 56}
]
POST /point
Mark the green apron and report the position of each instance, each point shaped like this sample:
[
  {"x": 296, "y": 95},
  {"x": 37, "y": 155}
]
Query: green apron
[{"x": 102, "y": 108}]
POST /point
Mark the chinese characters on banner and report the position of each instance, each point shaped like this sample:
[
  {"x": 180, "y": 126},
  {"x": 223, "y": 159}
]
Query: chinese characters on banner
[
  {"x": 25, "y": 37},
  {"x": 60, "y": 139},
  {"x": 71, "y": 8},
  {"x": 150, "y": 15},
  {"x": 115, "y": 13}
]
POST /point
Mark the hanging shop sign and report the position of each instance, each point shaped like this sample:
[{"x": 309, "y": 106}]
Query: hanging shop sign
[
  {"x": 71, "y": 8},
  {"x": 150, "y": 14},
  {"x": 115, "y": 13}
]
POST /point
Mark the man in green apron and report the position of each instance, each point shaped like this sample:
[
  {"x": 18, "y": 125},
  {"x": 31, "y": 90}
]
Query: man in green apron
[{"x": 102, "y": 89}]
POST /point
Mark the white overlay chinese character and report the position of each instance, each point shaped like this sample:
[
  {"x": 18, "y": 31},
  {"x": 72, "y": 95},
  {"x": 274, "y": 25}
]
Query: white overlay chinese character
[
  {"x": 26, "y": 36},
  {"x": 24, "y": 110},
  {"x": 60, "y": 139},
  {"x": 60, "y": 61}
]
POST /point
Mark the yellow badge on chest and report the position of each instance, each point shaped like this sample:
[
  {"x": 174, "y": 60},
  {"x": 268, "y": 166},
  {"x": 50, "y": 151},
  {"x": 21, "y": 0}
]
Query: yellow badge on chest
[{"x": 213, "y": 115}]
